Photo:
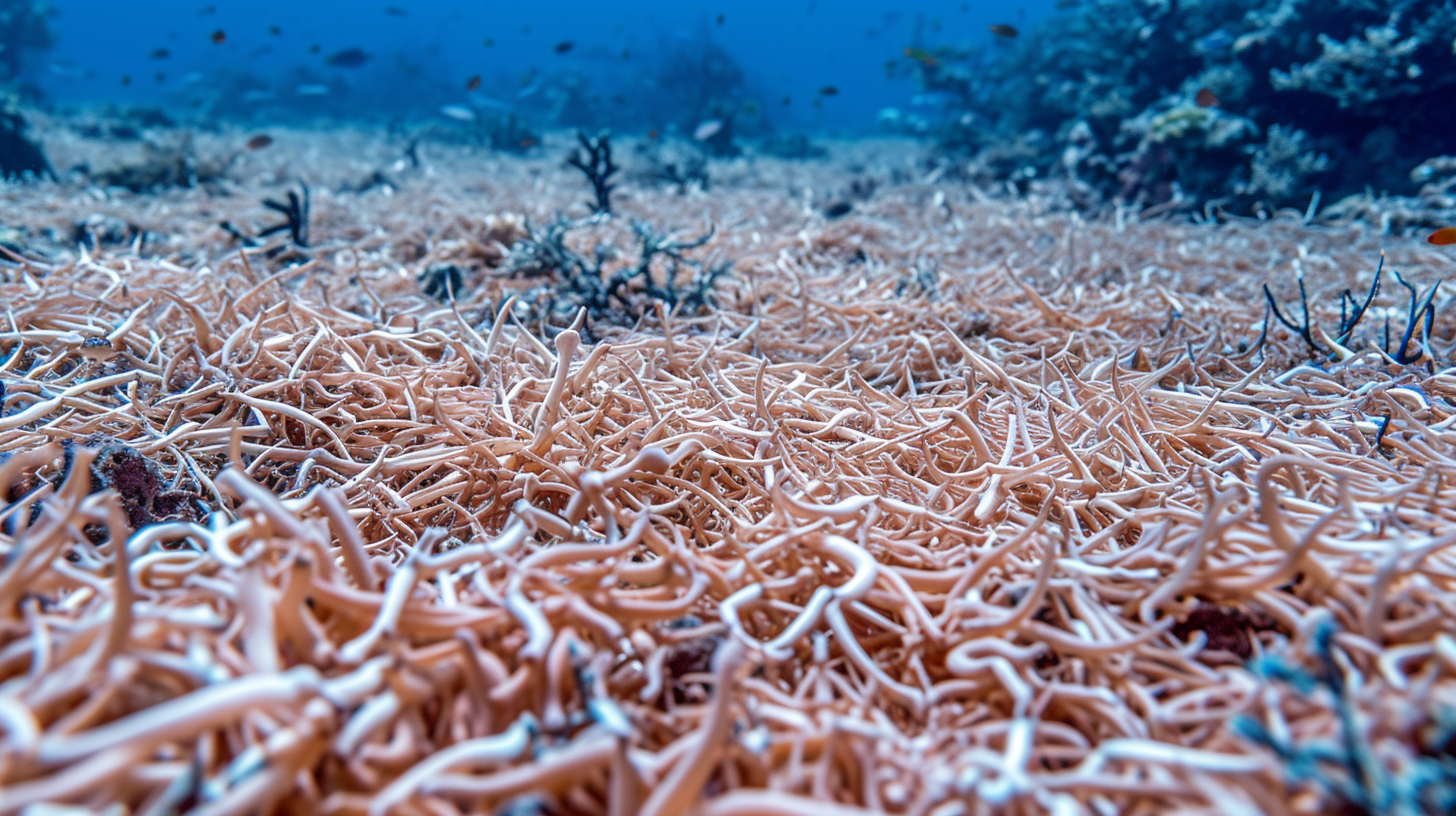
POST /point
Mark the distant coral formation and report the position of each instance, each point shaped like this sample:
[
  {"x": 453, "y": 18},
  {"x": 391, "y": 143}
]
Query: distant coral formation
[{"x": 1247, "y": 103}]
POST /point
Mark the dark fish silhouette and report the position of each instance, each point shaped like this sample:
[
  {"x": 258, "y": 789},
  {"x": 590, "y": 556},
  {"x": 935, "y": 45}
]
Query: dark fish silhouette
[
  {"x": 473, "y": 84},
  {"x": 563, "y": 47},
  {"x": 396, "y": 11},
  {"x": 1206, "y": 98},
  {"x": 349, "y": 58},
  {"x": 259, "y": 142},
  {"x": 275, "y": 31},
  {"x": 1007, "y": 31},
  {"x": 219, "y": 37},
  {"x": 829, "y": 90},
  {"x": 838, "y": 209},
  {"x": 160, "y": 53}
]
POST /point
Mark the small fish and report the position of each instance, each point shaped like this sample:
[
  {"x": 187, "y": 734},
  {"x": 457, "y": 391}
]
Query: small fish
[
  {"x": 312, "y": 90},
  {"x": 707, "y": 130},
  {"x": 275, "y": 31},
  {"x": 160, "y": 53},
  {"x": 259, "y": 142},
  {"x": 921, "y": 56},
  {"x": 488, "y": 42},
  {"x": 1206, "y": 98},
  {"x": 1003, "y": 30},
  {"x": 349, "y": 58},
  {"x": 219, "y": 37},
  {"x": 829, "y": 90},
  {"x": 1445, "y": 236},
  {"x": 396, "y": 11},
  {"x": 527, "y": 142},
  {"x": 838, "y": 209},
  {"x": 125, "y": 80},
  {"x": 652, "y": 134},
  {"x": 459, "y": 113},
  {"x": 473, "y": 84},
  {"x": 564, "y": 46},
  {"x": 315, "y": 48},
  {"x": 721, "y": 19}
]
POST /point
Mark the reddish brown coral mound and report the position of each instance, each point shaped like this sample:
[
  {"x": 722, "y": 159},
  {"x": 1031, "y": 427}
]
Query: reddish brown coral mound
[{"x": 952, "y": 507}]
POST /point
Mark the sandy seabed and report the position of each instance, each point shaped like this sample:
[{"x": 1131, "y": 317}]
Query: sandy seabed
[{"x": 957, "y": 504}]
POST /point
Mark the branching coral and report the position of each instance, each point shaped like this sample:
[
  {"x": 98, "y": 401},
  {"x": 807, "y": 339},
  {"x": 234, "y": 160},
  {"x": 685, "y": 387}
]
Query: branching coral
[
  {"x": 594, "y": 160},
  {"x": 828, "y": 548}
]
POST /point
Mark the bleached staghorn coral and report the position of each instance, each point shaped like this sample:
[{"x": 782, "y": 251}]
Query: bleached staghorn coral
[{"x": 944, "y": 560}]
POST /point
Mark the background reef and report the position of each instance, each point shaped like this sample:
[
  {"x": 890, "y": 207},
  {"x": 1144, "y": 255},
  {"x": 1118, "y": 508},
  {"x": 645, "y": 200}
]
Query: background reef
[
  {"x": 1341, "y": 97},
  {"x": 1198, "y": 106}
]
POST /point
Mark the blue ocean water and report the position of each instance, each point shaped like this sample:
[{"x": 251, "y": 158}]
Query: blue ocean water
[{"x": 582, "y": 63}]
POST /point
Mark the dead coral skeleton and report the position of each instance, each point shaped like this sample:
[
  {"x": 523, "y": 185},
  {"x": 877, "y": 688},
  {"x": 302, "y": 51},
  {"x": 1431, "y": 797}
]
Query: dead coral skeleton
[{"x": 831, "y": 551}]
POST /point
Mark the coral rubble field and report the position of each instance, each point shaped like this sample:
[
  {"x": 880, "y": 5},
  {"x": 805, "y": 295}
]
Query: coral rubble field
[{"x": 428, "y": 492}]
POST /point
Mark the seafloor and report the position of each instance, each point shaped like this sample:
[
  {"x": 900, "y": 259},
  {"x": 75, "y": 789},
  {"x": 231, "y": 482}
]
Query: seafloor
[{"x": 959, "y": 503}]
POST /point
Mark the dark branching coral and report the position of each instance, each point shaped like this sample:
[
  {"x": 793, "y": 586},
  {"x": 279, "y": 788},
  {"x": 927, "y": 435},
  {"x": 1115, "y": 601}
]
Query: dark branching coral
[
  {"x": 442, "y": 282},
  {"x": 596, "y": 164},
  {"x": 296, "y": 214},
  {"x": 1414, "y": 345},
  {"x": 610, "y": 292},
  {"x": 1346, "y": 767},
  {"x": 169, "y": 161}
]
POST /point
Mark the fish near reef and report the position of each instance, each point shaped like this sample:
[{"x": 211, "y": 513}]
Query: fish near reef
[
  {"x": 922, "y": 56},
  {"x": 1206, "y": 98},
  {"x": 1445, "y": 236},
  {"x": 838, "y": 209},
  {"x": 459, "y": 113},
  {"x": 707, "y": 130},
  {"x": 1007, "y": 31},
  {"x": 349, "y": 58},
  {"x": 259, "y": 142}
]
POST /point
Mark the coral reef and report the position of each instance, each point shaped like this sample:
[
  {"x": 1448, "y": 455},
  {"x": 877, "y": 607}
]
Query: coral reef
[
  {"x": 1250, "y": 103},
  {"x": 951, "y": 502},
  {"x": 594, "y": 160}
]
